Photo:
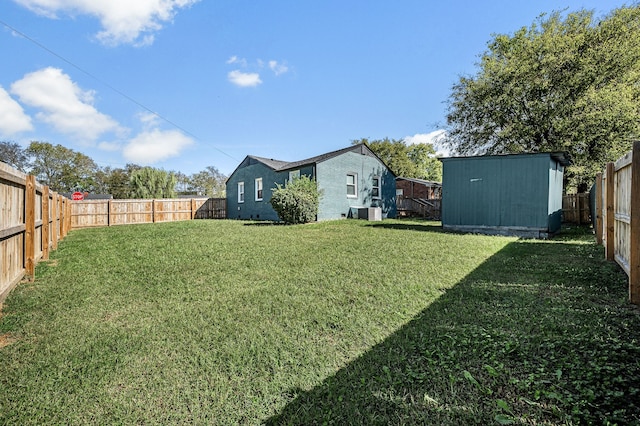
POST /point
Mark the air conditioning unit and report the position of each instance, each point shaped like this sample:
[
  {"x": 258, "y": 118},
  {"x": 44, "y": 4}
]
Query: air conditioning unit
[{"x": 370, "y": 213}]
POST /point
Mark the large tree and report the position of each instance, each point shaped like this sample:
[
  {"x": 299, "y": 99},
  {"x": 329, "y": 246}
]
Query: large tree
[
  {"x": 62, "y": 169},
  {"x": 116, "y": 181},
  {"x": 149, "y": 182},
  {"x": 14, "y": 155},
  {"x": 566, "y": 83},
  {"x": 209, "y": 182},
  {"x": 413, "y": 161}
]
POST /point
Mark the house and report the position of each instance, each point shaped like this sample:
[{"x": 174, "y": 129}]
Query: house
[
  {"x": 418, "y": 197},
  {"x": 351, "y": 181},
  {"x": 418, "y": 188},
  {"x": 516, "y": 194}
]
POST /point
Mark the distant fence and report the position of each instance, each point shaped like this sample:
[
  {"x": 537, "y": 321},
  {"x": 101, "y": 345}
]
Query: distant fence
[
  {"x": 95, "y": 213},
  {"x": 618, "y": 216},
  {"x": 575, "y": 209},
  {"x": 32, "y": 221}
]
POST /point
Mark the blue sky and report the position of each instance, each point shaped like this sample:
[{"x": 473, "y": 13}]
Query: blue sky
[{"x": 284, "y": 79}]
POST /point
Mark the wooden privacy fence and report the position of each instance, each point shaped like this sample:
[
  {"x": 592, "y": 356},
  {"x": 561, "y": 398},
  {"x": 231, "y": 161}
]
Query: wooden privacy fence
[
  {"x": 618, "y": 216},
  {"x": 575, "y": 208},
  {"x": 32, "y": 221},
  {"x": 93, "y": 213}
]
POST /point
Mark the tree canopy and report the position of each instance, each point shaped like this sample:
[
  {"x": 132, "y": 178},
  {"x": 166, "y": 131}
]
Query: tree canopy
[
  {"x": 566, "y": 83},
  {"x": 66, "y": 170},
  {"x": 149, "y": 182},
  {"x": 62, "y": 169},
  {"x": 13, "y": 154},
  {"x": 413, "y": 161}
]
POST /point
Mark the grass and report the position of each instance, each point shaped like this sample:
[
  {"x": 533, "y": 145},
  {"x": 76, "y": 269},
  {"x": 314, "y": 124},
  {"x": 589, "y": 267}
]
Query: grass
[{"x": 346, "y": 322}]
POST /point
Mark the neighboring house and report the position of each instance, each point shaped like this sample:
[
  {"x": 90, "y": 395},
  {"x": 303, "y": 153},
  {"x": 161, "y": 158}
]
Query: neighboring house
[
  {"x": 418, "y": 188},
  {"x": 349, "y": 179},
  {"x": 90, "y": 196},
  {"x": 418, "y": 197},
  {"x": 518, "y": 194}
]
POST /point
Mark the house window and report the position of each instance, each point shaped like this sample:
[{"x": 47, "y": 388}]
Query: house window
[
  {"x": 294, "y": 174},
  {"x": 375, "y": 188},
  {"x": 259, "y": 189},
  {"x": 241, "y": 192},
  {"x": 352, "y": 185}
]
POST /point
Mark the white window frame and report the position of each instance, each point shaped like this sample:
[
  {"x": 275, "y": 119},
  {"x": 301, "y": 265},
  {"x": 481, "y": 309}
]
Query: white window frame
[
  {"x": 354, "y": 185},
  {"x": 294, "y": 174},
  {"x": 240, "y": 192},
  {"x": 378, "y": 187},
  {"x": 259, "y": 189}
]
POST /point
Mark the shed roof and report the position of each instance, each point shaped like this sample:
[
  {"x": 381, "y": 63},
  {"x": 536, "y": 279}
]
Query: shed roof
[{"x": 561, "y": 157}]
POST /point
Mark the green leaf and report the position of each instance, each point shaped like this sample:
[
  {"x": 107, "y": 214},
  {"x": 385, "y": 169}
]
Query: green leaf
[{"x": 504, "y": 420}]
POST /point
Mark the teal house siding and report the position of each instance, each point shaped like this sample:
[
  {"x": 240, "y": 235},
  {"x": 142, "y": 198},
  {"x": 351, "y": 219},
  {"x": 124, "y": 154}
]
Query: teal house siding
[
  {"x": 332, "y": 179},
  {"x": 332, "y": 172},
  {"x": 504, "y": 194},
  {"x": 250, "y": 208}
]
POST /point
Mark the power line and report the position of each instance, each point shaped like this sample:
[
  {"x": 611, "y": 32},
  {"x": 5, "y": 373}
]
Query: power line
[{"x": 109, "y": 86}]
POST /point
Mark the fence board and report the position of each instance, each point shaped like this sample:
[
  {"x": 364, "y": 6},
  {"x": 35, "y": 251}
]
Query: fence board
[
  {"x": 92, "y": 213},
  {"x": 575, "y": 208},
  {"x": 620, "y": 209},
  {"x": 27, "y": 213}
]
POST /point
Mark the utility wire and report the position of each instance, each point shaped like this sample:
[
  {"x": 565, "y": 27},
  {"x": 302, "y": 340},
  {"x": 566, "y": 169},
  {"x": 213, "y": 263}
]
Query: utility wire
[{"x": 109, "y": 86}]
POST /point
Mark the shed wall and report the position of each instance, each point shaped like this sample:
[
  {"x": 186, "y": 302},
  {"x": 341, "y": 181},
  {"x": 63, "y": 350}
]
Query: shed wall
[{"x": 519, "y": 191}]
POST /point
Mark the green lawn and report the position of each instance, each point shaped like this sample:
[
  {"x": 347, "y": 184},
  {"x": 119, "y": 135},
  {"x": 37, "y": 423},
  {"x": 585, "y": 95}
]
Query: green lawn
[{"x": 345, "y": 322}]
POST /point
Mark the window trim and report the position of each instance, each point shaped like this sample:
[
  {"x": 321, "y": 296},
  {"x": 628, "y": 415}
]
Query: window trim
[
  {"x": 378, "y": 187},
  {"x": 294, "y": 174},
  {"x": 240, "y": 192},
  {"x": 354, "y": 185},
  {"x": 259, "y": 189}
]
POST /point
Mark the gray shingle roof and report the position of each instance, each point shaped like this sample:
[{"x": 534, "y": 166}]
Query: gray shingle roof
[{"x": 279, "y": 166}]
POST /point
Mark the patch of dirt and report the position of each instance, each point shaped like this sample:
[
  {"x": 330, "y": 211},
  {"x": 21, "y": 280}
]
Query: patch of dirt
[{"x": 6, "y": 340}]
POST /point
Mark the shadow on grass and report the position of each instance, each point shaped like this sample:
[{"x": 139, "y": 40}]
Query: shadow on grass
[
  {"x": 539, "y": 333},
  {"x": 414, "y": 225}
]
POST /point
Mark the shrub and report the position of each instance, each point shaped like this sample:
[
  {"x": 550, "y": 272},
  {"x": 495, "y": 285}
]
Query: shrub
[{"x": 297, "y": 201}]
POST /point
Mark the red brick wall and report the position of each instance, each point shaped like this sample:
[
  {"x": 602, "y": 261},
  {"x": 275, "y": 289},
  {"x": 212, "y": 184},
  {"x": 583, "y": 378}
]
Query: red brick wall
[{"x": 416, "y": 190}]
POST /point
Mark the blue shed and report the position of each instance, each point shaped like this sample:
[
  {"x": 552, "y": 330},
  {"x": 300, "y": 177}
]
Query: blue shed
[
  {"x": 351, "y": 179},
  {"x": 515, "y": 194}
]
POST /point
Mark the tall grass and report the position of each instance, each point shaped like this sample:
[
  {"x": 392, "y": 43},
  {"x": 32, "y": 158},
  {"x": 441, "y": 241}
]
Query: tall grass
[{"x": 340, "y": 322}]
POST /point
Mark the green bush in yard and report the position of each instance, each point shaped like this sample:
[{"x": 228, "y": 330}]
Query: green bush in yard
[{"x": 296, "y": 202}]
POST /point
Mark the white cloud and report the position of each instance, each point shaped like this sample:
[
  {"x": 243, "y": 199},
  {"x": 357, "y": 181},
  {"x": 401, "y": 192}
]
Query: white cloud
[
  {"x": 63, "y": 104},
  {"x": 278, "y": 68},
  {"x": 235, "y": 60},
  {"x": 155, "y": 145},
  {"x": 435, "y": 138},
  {"x": 110, "y": 146},
  {"x": 123, "y": 21},
  {"x": 244, "y": 79},
  {"x": 12, "y": 117}
]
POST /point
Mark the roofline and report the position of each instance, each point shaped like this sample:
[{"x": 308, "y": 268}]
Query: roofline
[
  {"x": 416, "y": 180},
  {"x": 560, "y": 156},
  {"x": 310, "y": 161}
]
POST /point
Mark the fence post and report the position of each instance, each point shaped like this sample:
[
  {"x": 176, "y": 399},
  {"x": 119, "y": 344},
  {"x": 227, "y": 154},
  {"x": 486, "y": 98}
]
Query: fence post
[
  {"x": 634, "y": 249},
  {"x": 610, "y": 225},
  {"x": 598, "y": 211},
  {"x": 45, "y": 223},
  {"x": 54, "y": 220},
  {"x": 193, "y": 208},
  {"x": 30, "y": 226}
]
